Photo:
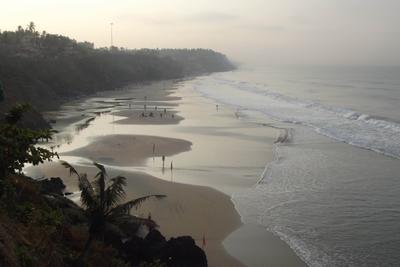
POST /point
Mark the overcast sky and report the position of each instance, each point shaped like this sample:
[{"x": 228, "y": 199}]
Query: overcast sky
[{"x": 250, "y": 31}]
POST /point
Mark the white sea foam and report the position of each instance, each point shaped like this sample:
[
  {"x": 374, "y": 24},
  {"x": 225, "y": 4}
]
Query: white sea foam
[
  {"x": 345, "y": 125},
  {"x": 306, "y": 195}
]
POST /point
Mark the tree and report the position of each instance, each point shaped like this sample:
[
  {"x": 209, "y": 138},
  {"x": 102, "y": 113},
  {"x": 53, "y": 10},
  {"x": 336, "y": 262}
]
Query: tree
[
  {"x": 101, "y": 199},
  {"x": 18, "y": 144},
  {"x": 31, "y": 26}
]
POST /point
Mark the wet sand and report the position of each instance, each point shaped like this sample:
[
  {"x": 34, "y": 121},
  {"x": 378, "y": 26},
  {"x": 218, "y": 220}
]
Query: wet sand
[
  {"x": 214, "y": 153},
  {"x": 148, "y": 117},
  {"x": 130, "y": 150}
]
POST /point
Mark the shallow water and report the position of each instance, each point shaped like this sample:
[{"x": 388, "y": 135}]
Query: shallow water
[
  {"x": 333, "y": 203},
  {"x": 227, "y": 153}
]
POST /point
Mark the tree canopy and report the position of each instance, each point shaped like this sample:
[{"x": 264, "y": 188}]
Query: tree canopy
[
  {"x": 44, "y": 69},
  {"x": 101, "y": 200},
  {"x": 18, "y": 144}
]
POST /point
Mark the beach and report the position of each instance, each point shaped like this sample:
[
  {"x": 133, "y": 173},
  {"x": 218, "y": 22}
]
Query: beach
[{"x": 210, "y": 153}]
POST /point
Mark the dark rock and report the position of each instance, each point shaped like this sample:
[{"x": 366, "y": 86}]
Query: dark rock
[
  {"x": 136, "y": 251},
  {"x": 54, "y": 185},
  {"x": 177, "y": 252},
  {"x": 155, "y": 243},
  {"x": 73, "y": 214},
  {"x": 181, "y": 252},
  {"x": 129, "y": 226},
  {"x": 154, "y": 237},
  {"x": 114, "y": 236}
]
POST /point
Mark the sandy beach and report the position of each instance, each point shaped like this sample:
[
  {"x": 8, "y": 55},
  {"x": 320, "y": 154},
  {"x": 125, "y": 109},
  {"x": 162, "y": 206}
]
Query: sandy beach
[
  {"x": 130, "y": 150},
  {"x": 139, "y": 116},
  {"x": 203, "y": 142}
]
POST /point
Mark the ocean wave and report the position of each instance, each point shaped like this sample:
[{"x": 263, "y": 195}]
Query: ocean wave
[
  {"x": 346, "y": 125},
  {"x": 303, "y": 196}
]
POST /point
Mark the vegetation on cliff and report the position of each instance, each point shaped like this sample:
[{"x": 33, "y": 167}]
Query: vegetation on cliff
[
  {"x": 101, "y": 198},
  {"x": 39, "y": 226},
  {"x": 45, "y": 69}
]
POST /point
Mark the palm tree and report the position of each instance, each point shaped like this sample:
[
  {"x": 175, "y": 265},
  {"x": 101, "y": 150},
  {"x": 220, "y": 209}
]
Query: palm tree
[
  {"x": 31, "y": 27},
  {"x": 100, "y": 199}
]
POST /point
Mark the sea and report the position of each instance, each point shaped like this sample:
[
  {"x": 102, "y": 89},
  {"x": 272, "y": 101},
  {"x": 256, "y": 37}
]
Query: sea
[{"x": 332, "y": 192}]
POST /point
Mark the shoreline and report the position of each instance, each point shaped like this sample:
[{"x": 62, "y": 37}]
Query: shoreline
[{"x": 217, "y": 249}]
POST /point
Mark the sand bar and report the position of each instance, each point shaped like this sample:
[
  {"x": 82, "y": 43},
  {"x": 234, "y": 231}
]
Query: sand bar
[{"x": 130, "y": 150}]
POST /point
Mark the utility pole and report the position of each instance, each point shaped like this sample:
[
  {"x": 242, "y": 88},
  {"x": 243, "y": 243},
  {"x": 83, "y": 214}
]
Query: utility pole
[{"x": 112, "y": 41}]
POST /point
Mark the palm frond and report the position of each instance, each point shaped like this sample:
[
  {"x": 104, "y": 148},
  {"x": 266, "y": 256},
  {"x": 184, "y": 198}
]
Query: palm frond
[
  {"x": 115, "y": 192},
  {"x": 100, "y": 167},
  {"x": 72, "y": 170},
  {"x": 126, "y": 207},
  {"x": 101, "y": 182},
  {"x": 88, "y": 196}
]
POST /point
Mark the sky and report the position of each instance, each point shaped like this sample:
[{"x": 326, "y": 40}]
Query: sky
[{"x": 349, "y": 32}]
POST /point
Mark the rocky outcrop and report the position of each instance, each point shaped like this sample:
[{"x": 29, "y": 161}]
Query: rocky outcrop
[
  {"x": 182, "y": 251},
  {"x": 53, "y": 185},
  {"x": 72, "y": 213},
  {"x": 176, "y": 252}
]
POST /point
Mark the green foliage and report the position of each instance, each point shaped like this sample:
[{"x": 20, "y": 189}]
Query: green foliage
[
  {"x": 101, "y": 200},
  {"x": 16, "y": 113},
  {"x": 24, "y": 212},
  {"x": 7, "y": 194},
  {"x": 18, "y": 144},
  {"x": 40, "y": 215},
  {"x": 26, "y": 256},
  {"x": 50, "y": 217}
]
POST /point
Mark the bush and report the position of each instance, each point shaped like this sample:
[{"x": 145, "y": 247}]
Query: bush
[{"x": 25, "y": 256}]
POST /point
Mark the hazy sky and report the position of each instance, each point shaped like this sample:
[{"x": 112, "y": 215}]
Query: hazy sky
[{"x": 253, "y": 31}]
